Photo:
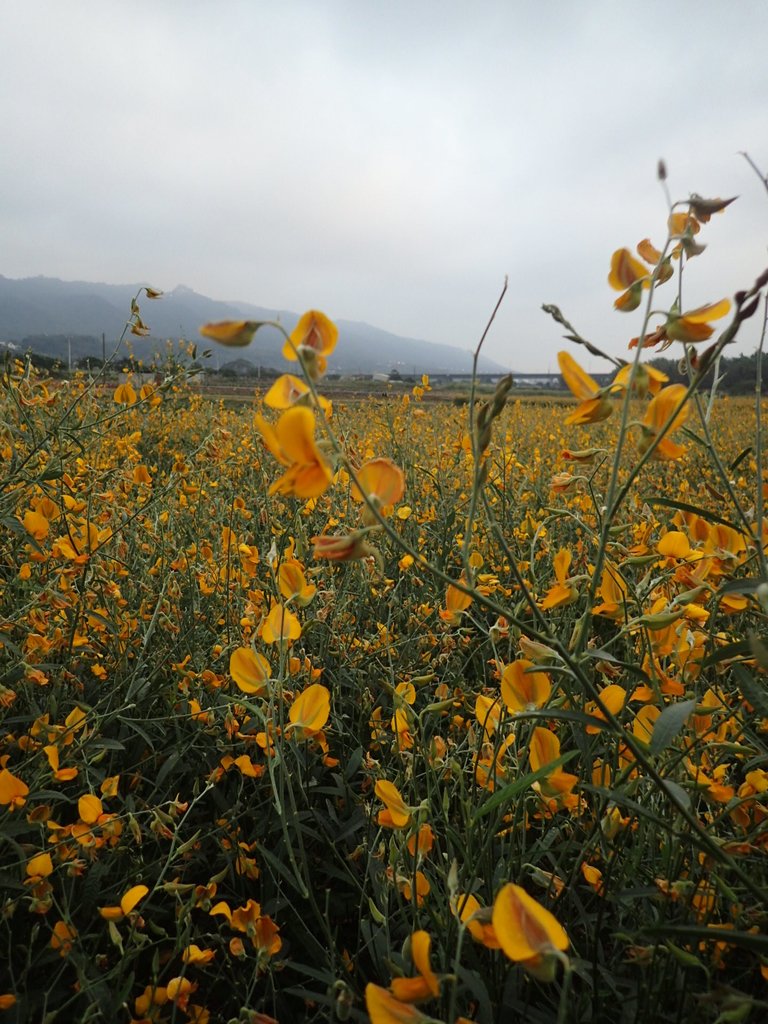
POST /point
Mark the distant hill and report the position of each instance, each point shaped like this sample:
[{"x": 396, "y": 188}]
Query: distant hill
[{"x": 42, "y": 313}]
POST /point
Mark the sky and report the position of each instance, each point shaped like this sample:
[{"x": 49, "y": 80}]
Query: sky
[{"x": 389, "y": 162}]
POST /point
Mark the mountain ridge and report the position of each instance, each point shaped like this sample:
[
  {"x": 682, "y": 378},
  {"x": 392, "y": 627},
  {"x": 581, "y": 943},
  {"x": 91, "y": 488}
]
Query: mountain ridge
[{"x": 34, "y": 307}]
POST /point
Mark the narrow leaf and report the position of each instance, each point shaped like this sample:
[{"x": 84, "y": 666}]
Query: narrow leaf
[{"x": 669, "y": 723}]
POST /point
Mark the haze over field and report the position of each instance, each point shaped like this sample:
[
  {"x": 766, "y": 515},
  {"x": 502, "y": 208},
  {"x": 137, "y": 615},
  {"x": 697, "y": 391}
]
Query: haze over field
[{"x": 384, "y": 163}]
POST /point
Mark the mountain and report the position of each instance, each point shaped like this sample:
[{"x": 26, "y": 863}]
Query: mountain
[{"x": 57, "y": 317}]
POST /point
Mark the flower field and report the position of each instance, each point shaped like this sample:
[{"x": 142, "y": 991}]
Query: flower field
[{"x": 400, "y": 710}]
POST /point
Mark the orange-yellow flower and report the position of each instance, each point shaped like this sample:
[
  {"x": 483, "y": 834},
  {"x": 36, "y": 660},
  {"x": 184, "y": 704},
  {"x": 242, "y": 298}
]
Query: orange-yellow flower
[
  {"x": 13, "y": 790},
  {"x": 426, "y": 985},
  {"x": 309, "y": 712},
  {"x": 665, "y": 411},
  {"x": 342, "y": 547},
  {"x": 124, "y": 394},
  {"x": 292, "y": 442},
  {"x": 289, "y": 390},
  {"x": 196, "y": 956},
  {"x": 523, "y": 689},
  {"x": 544, "y": 750},
  {"x": 249, "y": 670},
  {"x": 236, "y": 333},
  {"x": 563, "y": 592},
  {"x": 477, "y": 918},
  {"x": 693, "y": 326},
  {"x": 397, "y": 813},
  {"x": 313, "y": 339},
  {"x": 595, "y": 406},
  {"x": 643, "y": 378},
  {"x": 281, "y": 626},
  {"x": 63, "y": 937},
  {"x": 129, "y": 901},
  {"x": 628, "y": 276},
  {"x": 292, "y": 583},
  {"x": 527, "y": 932},
  {"x": 456, "y": 603},
  {"x": 383, "y": 1008},
  {"x": 382, "y": 482}
]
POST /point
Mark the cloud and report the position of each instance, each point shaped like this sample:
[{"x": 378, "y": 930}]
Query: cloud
[{"x": 387, "y": 162}]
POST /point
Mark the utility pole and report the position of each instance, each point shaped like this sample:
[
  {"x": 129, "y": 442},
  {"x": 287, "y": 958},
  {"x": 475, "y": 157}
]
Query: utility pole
[
  {"x": 69, "y": 353},
  {"x": 103, "y": 349}
]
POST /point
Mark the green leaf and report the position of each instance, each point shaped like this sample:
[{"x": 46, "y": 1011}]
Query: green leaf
[
  {"x": 758, "y": 649},
  {"x": 727, "y": 653},
  {"x": 756, "y": 694},
  {"x": 676, "y": 791},
  {"x": 669, "y": 723},
  {"x": 747, "y": 940},
  {"x": 683, "y": 506},
  {"x": 740, "y": 458},
  {"x": 747, "y": 585}
]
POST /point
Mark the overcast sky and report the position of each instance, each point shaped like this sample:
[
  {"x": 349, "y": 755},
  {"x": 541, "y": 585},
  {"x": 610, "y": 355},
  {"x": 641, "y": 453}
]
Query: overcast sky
[{"x": 384, "y": 161}]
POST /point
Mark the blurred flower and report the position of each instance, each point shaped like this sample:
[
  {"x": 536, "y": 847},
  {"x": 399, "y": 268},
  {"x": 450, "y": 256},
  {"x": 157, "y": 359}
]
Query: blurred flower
[
  {"x": 629, "y": 276},
  {"x": 663, "y": 411},
  {"x": 344, "y": 547},
  {"x": 289, "y": 390},
  {"x": 313, "y": 339},
  {"x": 595, "y": 406},
  {"x": 235, "y": 333},
  {"x": 382, "y": 482},
  {"x": 292, "y": 442}
]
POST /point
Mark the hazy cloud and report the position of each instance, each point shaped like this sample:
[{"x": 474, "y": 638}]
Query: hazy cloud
[{"x": 387, "y": 162}]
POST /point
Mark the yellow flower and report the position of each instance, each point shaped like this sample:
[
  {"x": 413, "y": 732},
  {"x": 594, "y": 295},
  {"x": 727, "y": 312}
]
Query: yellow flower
[
  {"x": 236, "y": 333},
  {"x": 693, "y": 326},
  {"x": 527, "y": 932},
  {"x": 545, "y": 750},
  {"x": 13, "y": 791},
  {"x": 397, "y": 813},
  {"x": 563, "y": 592},
  {"x": 629, "y": 276},
  {"x": 129, "y": 901},
  {"x": 426, "y": 985},
  {"x": 309, "y": 712},
  {"x": 383, "y": 1008},
  {"x": 292, "y": 442},
  {"x": 124, "y": 394},
  {"x": 523, "y": 689},
  {"x": 456, "y": 603},
  {"x": 477, "y": 918},
  {"x": 281, "y": 626},
  {"x": 62, "y": 938},
  {"x": 289, "y": 390},
  {"x": 249, "y": 670},
  {"x": 594, "y": 404},
  {"x": 342, "y": 547},
  {"x": 663, "y": 412},
  {"x": 643, "y": 378},
  {"x": 313, "y": 339},
  {"x": 382, "y": 482},
  {"x": 40, "y": 866},
  {"x": 293, "y": 584},
  {"x": 193, "y": 954}
]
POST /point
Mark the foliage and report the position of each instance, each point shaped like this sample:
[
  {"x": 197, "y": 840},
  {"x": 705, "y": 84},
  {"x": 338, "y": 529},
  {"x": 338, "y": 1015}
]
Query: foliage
[{"x": 326, "y": 713}]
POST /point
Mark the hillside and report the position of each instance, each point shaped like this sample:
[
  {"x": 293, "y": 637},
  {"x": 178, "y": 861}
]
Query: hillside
[{"x": 42, "y": 313}]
